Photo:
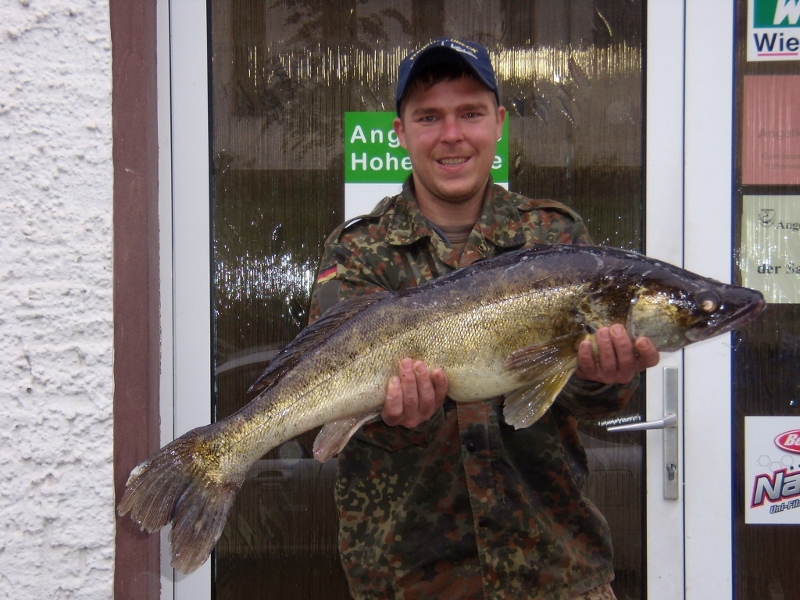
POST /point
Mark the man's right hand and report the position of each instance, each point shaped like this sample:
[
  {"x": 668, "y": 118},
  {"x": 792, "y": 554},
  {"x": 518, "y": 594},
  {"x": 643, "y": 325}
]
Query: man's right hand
[{"x": 414, "y": 395}]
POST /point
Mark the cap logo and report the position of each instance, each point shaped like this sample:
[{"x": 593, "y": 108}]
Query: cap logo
[{"x": 454, "y": 44}]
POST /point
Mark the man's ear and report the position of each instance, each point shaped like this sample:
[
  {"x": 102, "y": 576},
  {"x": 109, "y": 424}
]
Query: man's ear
[
  {"x": 501, "y": 117},
  {"x": 397, "y": 124}
]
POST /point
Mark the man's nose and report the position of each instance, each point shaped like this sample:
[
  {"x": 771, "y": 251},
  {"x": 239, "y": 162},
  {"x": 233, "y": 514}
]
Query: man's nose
[{"x": 451, "y": 130}]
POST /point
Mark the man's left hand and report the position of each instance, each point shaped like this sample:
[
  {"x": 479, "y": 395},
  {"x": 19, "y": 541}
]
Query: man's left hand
[{"x": 618, "y": 358}]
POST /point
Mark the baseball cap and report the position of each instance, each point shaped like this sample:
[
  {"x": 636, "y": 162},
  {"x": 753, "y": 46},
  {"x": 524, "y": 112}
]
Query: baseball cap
[{"x": 443, "y": 50}]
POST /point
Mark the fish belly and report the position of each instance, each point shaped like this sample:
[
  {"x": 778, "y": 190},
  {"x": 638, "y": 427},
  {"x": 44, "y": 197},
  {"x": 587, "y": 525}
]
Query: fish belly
[{"x": 470, "y": 385}]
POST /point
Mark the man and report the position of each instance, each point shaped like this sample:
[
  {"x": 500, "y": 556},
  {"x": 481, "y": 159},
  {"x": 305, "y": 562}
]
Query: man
[{"x": 439, "y": 499}]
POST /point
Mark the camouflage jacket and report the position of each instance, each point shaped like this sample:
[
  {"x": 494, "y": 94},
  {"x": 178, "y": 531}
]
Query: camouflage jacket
[{"x": 464, "y": 506}]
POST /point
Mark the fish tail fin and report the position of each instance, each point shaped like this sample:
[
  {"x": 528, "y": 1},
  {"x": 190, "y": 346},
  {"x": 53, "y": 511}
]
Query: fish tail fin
[{"x": 176, "y": 486}]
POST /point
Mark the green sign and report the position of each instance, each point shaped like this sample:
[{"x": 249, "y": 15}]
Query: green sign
[
  {"x": 773, "y": 30},
  {"x": 776, "y": 13},
  {"x": 372, "y": 152}
]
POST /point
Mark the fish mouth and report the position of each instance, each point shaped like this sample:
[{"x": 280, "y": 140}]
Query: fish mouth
[{"x": 744, "y": 315}]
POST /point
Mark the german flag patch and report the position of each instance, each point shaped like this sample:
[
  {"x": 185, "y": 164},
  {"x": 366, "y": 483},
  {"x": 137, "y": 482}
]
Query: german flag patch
[{"x": 326, "y": 275}]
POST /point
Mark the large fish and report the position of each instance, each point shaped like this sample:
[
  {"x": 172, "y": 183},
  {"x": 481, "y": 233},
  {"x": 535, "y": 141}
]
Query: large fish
[{"x": 505, "y": 326}]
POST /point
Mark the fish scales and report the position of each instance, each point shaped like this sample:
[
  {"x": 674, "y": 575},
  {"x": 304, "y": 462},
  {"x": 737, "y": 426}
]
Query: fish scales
[
  {"x": 442, "y": 332},
  {"x": 506, "y": 326},
  {"x": 451, "y": 334}
]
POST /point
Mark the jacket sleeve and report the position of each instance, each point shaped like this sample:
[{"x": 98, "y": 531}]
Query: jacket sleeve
[{"x": 590, "y": 401}]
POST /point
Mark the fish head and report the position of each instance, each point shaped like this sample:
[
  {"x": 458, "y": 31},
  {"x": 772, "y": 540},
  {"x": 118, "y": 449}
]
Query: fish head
[{"x": 674, "y": 308}]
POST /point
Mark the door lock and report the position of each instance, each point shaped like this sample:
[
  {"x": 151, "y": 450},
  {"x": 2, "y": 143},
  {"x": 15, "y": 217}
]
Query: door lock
[{"x": 672, "y": 468}]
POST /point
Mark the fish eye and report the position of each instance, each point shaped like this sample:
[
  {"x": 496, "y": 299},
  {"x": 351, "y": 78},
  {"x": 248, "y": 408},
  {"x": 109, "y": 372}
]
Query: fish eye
[{"x": 707, "y": 301}]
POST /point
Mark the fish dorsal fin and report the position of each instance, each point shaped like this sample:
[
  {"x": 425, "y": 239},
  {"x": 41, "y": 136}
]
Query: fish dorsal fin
[
  {"x": 333, "y": 436},
  {"x": 545, "y": 369},
  {"x": 312, "y": 336}
]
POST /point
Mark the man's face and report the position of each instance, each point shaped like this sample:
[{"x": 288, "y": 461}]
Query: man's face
[{"x": 450, "y": 132}]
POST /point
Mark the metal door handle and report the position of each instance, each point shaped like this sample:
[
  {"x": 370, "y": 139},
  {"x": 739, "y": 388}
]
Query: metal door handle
[
  {"x": 670, "y": 420},
  {"x": 669, "y": 423}
]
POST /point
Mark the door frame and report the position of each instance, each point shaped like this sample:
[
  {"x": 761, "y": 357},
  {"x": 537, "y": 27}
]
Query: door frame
[
  {"x": 689, "y": 108},
  {"x": 186, "y": 254},
  {"x": 708, "y": 244},
  {"x": 664, "y": 74},
  {"x": 689, "y": 174}
]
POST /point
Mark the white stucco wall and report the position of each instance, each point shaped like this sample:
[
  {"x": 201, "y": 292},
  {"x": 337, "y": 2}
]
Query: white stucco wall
[{"x": 56, "y": 329}]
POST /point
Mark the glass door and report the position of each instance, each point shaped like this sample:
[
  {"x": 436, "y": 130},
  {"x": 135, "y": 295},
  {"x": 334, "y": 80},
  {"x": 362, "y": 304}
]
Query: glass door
[
  {"x": 282, "y": 76},
  {"x": 279, "y": 78}
]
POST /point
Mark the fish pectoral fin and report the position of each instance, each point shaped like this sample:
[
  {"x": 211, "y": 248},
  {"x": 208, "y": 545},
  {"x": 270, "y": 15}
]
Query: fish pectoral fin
[
  {"x": 526, "y": 405},
  {"x": 534, "y": 363},
  {"x": 544, "y": 371},
  {"x": 333, "y": 436}
]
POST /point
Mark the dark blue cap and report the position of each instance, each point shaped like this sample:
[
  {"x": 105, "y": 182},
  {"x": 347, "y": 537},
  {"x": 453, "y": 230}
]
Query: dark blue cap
[{"x": 445, "y": 50}]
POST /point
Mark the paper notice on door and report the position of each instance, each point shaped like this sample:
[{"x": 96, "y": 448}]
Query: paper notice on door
[
  {"x": 772, "y": 470},
  {"x": 771, "y": 131},
  {"x": 769, "y": 257}
]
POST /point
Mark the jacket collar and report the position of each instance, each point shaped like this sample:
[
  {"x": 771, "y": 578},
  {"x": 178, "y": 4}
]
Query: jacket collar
[{"x": 499, "y": 222}]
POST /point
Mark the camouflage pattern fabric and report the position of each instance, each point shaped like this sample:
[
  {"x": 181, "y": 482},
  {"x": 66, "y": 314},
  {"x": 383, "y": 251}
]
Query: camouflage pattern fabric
[
  {"x": 464, "y": 506},
  {"x": 604, "y": 592}
]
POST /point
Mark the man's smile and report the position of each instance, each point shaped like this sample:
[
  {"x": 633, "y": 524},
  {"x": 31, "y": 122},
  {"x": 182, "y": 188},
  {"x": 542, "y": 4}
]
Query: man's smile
[{"x": 452, "y": 161}]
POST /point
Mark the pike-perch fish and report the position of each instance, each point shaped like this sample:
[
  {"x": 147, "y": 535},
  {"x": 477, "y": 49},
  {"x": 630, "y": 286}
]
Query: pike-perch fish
[{"x": 507, "y": 326}]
